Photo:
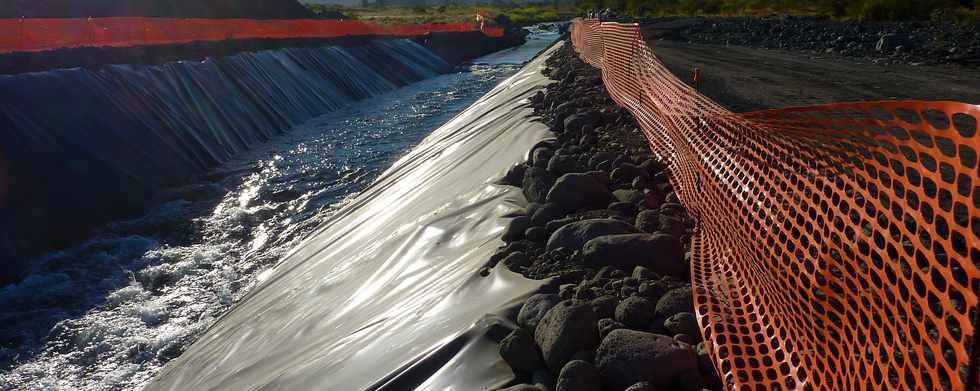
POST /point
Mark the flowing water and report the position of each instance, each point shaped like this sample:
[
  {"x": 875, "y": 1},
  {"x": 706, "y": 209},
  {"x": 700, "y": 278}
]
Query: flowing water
[{"x": 109, "y": 313}]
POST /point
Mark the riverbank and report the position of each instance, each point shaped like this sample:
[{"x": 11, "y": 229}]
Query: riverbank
[{"x": 604, "y": 224}]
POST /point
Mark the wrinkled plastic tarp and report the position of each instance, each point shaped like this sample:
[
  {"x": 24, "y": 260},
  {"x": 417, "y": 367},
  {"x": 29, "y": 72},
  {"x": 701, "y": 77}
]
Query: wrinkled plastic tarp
[{"x": 388, "y": 295}]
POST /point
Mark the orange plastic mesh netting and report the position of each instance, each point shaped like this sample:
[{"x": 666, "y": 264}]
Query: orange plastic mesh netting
[
  {"x": 46, "y": 34},
  {"x": 837, "y": 246}
]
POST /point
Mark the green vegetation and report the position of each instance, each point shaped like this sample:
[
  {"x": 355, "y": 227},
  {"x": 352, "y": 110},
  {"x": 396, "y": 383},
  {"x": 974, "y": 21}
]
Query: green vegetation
[
  {"x": 943, "y": 10},
  {"x": 498, "y": 12}
]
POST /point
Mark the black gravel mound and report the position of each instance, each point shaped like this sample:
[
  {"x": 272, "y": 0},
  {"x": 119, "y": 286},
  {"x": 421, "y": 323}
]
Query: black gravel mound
[
  {"x": 916, "y": 43},
  {"x": 253, "y": 9}
]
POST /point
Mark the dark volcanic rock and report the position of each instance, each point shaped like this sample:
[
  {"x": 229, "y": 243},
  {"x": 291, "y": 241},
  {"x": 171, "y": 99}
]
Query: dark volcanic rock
[
  {"x": 515, "y": 230},
  {"x": 626, "y": 172},
  {"x": 635, "y": 312},
  {"x": 579, "y": 375},
  {"x": 642, "y": 386},
  {"x": 574, "y": 235},
  {"x": 627, "y": 357},
  {"x": 516, "y": 260},
  {"x": 576, "y": 191},
  {"x": 534, "y": 309},
  {"x": 566, "y": 329},
  {"x": 624, "y": 209},
  {"x": 675, "y": 301},
  {"x": 515, "y": 175},
  {"x": 605, "y": 306},
  {"x": 537, "y": 182},
  {"x": 547, "y": 212},
  {"x": 518, "y": 350},
  {"x": 563, "y": 164},
  {"x": 607, "y": 325},
  {"x": 659, "y": 252},
  {"x": 575, "y": 122},
  {"x": 628, "y": 195},
  {"x": 541, "y": 156},
  {"x": 889, "y": 42},
  {"x": 648, "y": 220},
  {"x": 536, "y": 234},
  {"x": 683, "y": 323}
]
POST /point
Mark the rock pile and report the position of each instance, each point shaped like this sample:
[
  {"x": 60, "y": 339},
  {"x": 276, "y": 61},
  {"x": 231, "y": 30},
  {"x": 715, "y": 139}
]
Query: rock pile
[
  {"x": 915, "y": 43},
  {"x": 605, "y": 224}
]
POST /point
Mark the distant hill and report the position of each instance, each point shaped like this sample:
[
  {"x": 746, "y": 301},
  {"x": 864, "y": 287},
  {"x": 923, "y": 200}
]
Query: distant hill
[{"x": 255, "y": 9}]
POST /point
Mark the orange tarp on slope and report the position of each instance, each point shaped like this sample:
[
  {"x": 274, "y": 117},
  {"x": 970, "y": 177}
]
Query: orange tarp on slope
[{"x": 46, "y": 34}]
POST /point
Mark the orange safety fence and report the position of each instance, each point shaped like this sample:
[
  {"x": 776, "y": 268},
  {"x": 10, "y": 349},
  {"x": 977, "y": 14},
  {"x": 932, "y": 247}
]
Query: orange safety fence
[
  {"x": 30, "y": 35},
  {"x": 837, "y": 246}
]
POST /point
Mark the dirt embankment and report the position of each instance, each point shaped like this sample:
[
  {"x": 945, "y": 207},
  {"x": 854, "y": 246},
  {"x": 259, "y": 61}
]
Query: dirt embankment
[
  {"x": 253, "y": 9},
  {"x": 747, "y": 69},
  {"x": 604, "y": 222}
]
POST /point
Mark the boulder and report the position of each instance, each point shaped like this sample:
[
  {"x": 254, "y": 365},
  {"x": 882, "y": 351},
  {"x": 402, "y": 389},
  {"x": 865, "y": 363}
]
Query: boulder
[
  {"x": 514, "y": 175},
  {"x": 599, "y": 157},
  {"x": 576, "y": 191},
  {"x": 545, "y": 213},
  {"x": 624, "y": 209},
  {"x": 605, "y": 306},
  {"x": 648, "y": 220},
  {"x": 515, "y": 229},
  {"x": 574, "y": 235},
  {"x": 516, "y": 260},
  {"x": 537, "y": 182},
  {"x": 628, "y": 195},
  {"x": 625, "y": 173},
  {"x": 543, "y": 379},
  {"x": 575, "y": 122},
  {"x": 660, "y": 252},
  {"x": 627, "y": 357},
  {"x": 518, "y": 350},
  {"x": 675, "y": 301},
  {"x": 642, "y": 386},
  {"x": 541, "y": 156},
  {"x": 536, "y": 234},
  {"x": 635, "y": 312},
  {"x": 534, "y": 309},
  {"x": 672, "y": 225},
  {"x": 704, "y": 358},
  {"x": 685, "y": 338},
  {"x": 643, "y": 273},
  {"x": 607, "y": 325},
  {"x": 889, "y": 42},
  {"x": 563, "y": 164},
  {"x": 683, "y": 323},
  {"x": 579, "y": 375},
  {"x": 566, "y": 329}
]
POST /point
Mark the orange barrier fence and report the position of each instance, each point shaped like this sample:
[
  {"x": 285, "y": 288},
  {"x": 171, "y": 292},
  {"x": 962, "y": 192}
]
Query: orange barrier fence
[
  {"x": 837, "y": 246},
  {"x": 46, "y": 34}
]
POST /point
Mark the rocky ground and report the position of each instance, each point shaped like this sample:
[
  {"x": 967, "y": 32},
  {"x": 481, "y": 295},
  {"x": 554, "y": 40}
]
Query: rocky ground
[
  {"x": 913, "y": 43},
  {"x": 604, "y": 223}
]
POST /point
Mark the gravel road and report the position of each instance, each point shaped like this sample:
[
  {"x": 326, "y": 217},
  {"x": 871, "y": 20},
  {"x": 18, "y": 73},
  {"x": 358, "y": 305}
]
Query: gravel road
[{"x": 748, "y": 79}]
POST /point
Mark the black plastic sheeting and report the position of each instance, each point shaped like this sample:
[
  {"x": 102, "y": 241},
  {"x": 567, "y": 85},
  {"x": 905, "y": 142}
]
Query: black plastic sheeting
[
  {"x": 81, "y": 147},
  {"x": 388, "y": 295}
]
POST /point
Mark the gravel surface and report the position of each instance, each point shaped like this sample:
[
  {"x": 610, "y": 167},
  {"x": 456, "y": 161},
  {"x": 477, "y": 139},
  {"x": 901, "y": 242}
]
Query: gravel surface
[{"x": 914, "y": 43}]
